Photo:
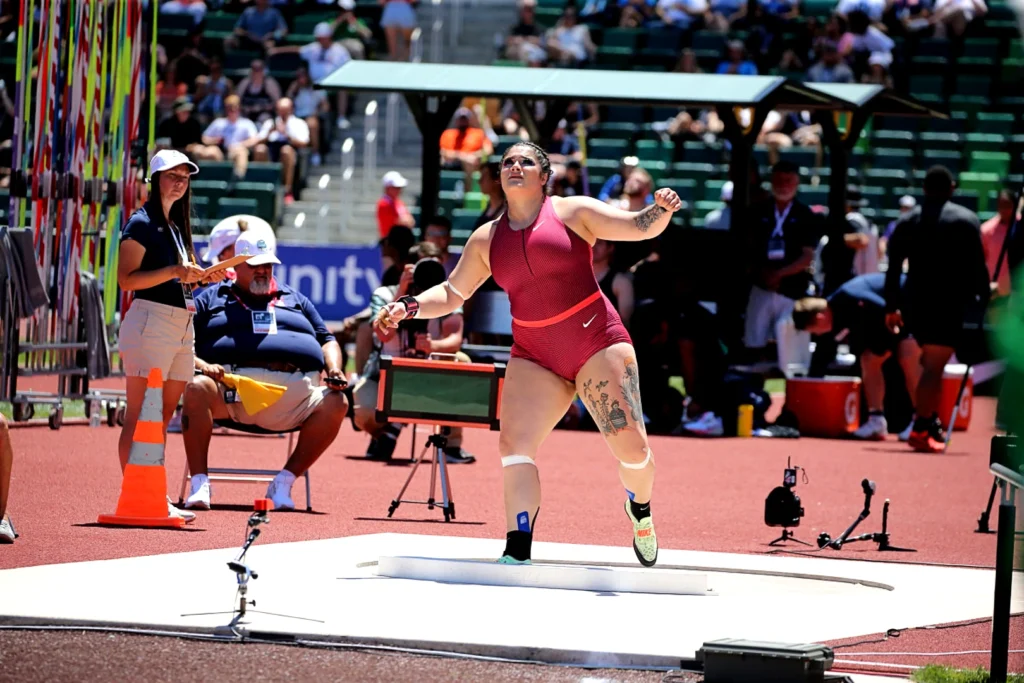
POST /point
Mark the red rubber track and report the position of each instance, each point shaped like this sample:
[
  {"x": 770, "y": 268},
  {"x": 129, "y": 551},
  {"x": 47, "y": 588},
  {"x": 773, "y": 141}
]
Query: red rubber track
[{"x": 709, "y": 496}]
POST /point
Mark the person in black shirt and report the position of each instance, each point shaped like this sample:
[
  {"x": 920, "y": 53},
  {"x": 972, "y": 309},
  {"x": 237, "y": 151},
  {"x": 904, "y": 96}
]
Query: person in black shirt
[
  {"x": 784, "y": 235},
  {"x": 157, "y": 263},
  {"x": 947, "y": 279},
  {"x": 854, "y": 315},
  {"x": 182, "y": 129}
]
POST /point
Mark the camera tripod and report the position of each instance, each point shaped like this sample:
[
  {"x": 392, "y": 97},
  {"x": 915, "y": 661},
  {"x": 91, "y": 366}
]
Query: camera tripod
[
  {"x": 439, "y": 441},
  {"x": 787, "y": 535},
  {"x": 880, "y": 537},
  {"x": 243, "y": 573}
]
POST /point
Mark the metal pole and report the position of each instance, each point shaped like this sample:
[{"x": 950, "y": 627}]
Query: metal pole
[
  {"x": 416, "y": 45},
  {"x": 436, "y": 37},
  {"x": 454, "y": 22},
  {"x": 370, "y": 145},
  {"x": 391, "y": 123},
  {"x": 1004, "y": 584}
]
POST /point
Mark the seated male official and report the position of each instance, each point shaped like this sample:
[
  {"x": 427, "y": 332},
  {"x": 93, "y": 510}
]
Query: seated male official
[
  {"x": 855, "y": 315},
  {"x": 416, "y": 339},
  {"x": 268, "y": 332}
]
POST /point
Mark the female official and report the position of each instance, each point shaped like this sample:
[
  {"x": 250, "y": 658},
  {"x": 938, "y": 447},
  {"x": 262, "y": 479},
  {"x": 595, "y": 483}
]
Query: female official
[
  {"x": 568, "y": 337},
  {"x": 156, "y": 261}
]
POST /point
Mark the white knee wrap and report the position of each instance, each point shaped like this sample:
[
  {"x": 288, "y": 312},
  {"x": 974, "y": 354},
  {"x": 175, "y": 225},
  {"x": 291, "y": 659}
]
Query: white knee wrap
[
  {"x": 510, "y": 460},
  {"x": 639, "y": 465}
]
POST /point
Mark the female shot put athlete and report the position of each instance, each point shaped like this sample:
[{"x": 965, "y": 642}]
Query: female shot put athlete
[{"x": 567, "y": 336}]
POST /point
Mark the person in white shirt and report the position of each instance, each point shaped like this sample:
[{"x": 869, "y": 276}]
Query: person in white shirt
[
  {"x": 233, "y": 134},
  {"x": 324, "y": 56},
  {"x": 280, "y": 139},
  {"x": 681, "y": 13},
  {"x": 569, "y": 42}
]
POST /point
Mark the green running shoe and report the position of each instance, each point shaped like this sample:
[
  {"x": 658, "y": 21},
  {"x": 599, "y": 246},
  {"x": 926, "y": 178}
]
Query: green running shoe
[
  {"x": 645, "y": 541},
  {"x": 508, "y": 559}
]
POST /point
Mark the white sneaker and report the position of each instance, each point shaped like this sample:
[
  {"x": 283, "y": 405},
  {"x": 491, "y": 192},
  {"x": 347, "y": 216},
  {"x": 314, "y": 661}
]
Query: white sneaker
[
  {"x": 707, "y": 424},
  {"x": 280, "y": 494},
  {"x": 874, "y": 429},
  {"x": 172, "y": 511},
  {"x": 199, "y": 499},
  {"x": 7, "y": 534}
]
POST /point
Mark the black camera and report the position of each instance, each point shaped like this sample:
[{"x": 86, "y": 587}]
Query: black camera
[{"x": 782, "y": 506}]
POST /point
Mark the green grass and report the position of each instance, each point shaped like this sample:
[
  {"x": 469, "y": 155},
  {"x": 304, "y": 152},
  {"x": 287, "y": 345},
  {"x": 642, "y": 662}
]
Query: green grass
[
  {"x": 944, "y": 674},
  {"x": 772, "y": 386}
]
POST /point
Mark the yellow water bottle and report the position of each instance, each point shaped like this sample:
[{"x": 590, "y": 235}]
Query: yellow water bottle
[{"x": 745, "y": 421}]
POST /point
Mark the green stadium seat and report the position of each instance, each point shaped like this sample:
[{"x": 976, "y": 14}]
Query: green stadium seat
[
  {"x": 654, "y": 150},
  {"x": 928, "y": 66},
  {"x": 219, "y": 25},
  {"x": 956, "y": 123},
  {"x": 626, "y": 38},
  {"x": 450, "y": 178},
  {"x": 701, "y": 153},
  {"x": 936, "y": 141},
  {"x": 615, "y": 130},
  {"x": 232, "y": 206},
  {"x": 901, "y": 139},
  {"x": 874, "y": 193},
  {"x": 982, "y": 48},
  {"x": 709, "y": 41},
  {"x": 263, "y": 172},
  {"x": 966, "y": 198},
  {"x": 686, "y": 188},
  {"x": 597, "y": 181},
  {"x": 265, "y": 195},
  {"x": 980, "y": 184},
  {"x": 803, "y": 157},
  {"x": 990, "y": 162},
  {"x": 817, "y": 8},
  {"x": 994, "y": 123},
  {"x": 464, "y": 219},
  {"x": 619, "y": 58},
  {"x": 713, "y": 189},
  {"x": 813, "y": 195},
  {"x": 504, "y": 142},
  {"x": 209, "y": 188},
  {"x": 894, "y": 199},
  {"x": 886, "y": 178},
  {"x": 698, "y": 172},
  {"x": 702, "y": 208},
  {"x": 926, "y": 85},
  {"x": 983, "y": 142},
  {"x": 892, "y": 158},
  {"x": 949, "y": 159},
  {"x": 201, "y": 206},
  {"x": 605, "y": 148},
  {"x": 970, "y": 104},
  {"x": 215, "y": 170},
  {"x": 623, "y": 114}
]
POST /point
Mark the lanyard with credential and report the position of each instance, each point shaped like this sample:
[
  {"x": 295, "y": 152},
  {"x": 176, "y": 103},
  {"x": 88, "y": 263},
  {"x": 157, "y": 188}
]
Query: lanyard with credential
[
  {"x": 270, "y": 306},
  {"x": 179, "y": 242},
  {"x": 780, "y": 220},
  {"x": 263, "y": 322}
]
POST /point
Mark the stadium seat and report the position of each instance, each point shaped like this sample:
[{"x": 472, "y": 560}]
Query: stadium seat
[
  {"x": 939, "y": 141},
  {"x": 605, "y": 148},
  {"x": 626, "y": 38},
  {"x": 980, "y": 184},
  {"x": 232, "y": 206},
  {"x": 686, "y": 188},
  {"x": 654, "y": 150},
  {"x": 215, "y": 170},
  {"x": 967, "y": 199},
  {"x": 886, "y": 178},
  {"x": 983, "y": 142},
  {"x": 892, "y": 158},
  {"x": 264, "y": 172},
  {"x": 266, "y": 198},
  {"x": 701, "y": 153},
  {"x": 949, "y": 159}
]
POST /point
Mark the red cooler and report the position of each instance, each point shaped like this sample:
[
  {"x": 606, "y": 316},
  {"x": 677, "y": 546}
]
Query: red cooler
[
  {"x": 827, "y": 407},
  {"x": 951, "y": 380}
]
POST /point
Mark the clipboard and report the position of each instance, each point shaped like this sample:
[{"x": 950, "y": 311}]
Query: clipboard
[{"x": 227, "y": 263}]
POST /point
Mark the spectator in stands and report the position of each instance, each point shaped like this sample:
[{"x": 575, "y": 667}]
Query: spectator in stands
[
  {"x": 636, "y": 191},
  {"x": 782, "y": 130},
  {"x": 907, "y": 203},
  {"x": 785, "y": 233},
  {"x": 722, "y": 14},
  {"x": 465, "y": 146},
  {"x": 259, "y": 92},
  {"x": 260, "y": 28},
  {"x": 391, "y": 209},
  {"x": 865, "y": 46},
  {"x": 830, "y": 68},
  {"x": 324, "y": 56},
  {"x": 169, "y": 90},
  {"x": 616, "y": 285},
  {"x": 439, "y": 233},
  {"x": 394, "y": 252},
  {"x": 265, "y": 331},
  {"x": 156, "y": 262},
  {"x": 351, "y": 31},
  {"x": 311, "y": 106},
  {"x": 947, "y": 280},
  {"x": 637, "y": 13},
  {"x": 192, "y": 62},
  {"x": 197, "y": 8},
  {"x": 280, "y": 140},
  {"x": 217, "y": 88},
  {"x": 873, "y": 9},
  {"x": 615, "y": 183},
  {"x": 951, "y": 17},
  {"x": 562, "y": 148},
  {"x": 398, "y": 21},
  {"x": 231, "y": 135},
  {"x": 721, "y": 219},
  {"x": 681, "y": 14},
  {"x": 490, "y": 186},
  {"x": 736, "y": 61},
  {"x": 524, "y": 40},
  {"x": 570, "y": 182},
  {"x": 852, "y": 247},
  {"x": 911, "y": 17},
  {"x": 568, "y": 42},
  {"x": 6, "y": 463},
  {"x": 993, "y": 235},
  {"x": 416, "y": 339},
  {"x": 687, "y": 63},
  {"x": 855, "y": 315},
  {"x": 184, "y": 131}
]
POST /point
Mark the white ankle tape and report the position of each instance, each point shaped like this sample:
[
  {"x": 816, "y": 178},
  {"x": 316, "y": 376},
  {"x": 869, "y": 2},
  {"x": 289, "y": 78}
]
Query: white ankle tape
[
  {"x": 510, "y": 460},
  {"x": 637, "y": 466}
]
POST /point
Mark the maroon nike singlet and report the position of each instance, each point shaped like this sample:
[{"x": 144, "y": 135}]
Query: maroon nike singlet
[{"x": 560, "y": 315}]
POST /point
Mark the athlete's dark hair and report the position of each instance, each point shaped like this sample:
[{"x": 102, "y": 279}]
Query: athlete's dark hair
[
  {"x": 938, "y": 183},
  {"x": 545, "y": 162}
]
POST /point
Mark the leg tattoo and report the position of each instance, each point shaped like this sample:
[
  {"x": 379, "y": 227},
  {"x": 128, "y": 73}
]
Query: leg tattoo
[
  {"x": 631, "y": 390},
  {"x": 600, "y": 410}
]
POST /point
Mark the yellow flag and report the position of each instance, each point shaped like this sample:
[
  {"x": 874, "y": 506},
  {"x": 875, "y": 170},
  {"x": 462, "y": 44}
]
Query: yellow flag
[{"x": 255, "y": 395}]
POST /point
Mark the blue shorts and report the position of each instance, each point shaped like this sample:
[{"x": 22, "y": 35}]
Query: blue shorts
[{"x": 399, "y": 14}]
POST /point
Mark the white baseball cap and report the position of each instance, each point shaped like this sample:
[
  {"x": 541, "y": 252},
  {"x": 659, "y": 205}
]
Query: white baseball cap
[
  {"x": 166, "y": 159},
  {"x": 727, "y": 191},
  {"x": 907, "y": 201},
  {"x": 394, "y": 179},
  {"x": 262, "y": 254},
  {"x": 347, "y": 5},
  {"x": 323, "y": 30},
  {"x": 222, "y": 237}
]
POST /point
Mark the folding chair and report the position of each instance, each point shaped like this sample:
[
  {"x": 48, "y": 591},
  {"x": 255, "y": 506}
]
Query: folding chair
[{"x": 236, "y": 475}]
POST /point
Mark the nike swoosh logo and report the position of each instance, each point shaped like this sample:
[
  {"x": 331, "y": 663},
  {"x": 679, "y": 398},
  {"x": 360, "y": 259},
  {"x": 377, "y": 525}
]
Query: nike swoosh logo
[
  {"x": 587, "y": 324},
  {"x": 538, "y": 225}
]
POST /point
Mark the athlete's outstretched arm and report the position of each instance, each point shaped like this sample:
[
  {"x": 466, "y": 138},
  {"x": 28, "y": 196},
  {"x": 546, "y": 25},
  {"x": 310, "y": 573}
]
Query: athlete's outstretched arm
[
  {"x": 470, "y": 272},
  {"x": 607, "y": 222}
]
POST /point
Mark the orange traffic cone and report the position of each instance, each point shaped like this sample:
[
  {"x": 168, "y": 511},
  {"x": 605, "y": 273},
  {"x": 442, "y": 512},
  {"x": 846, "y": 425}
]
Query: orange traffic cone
[{"x": 143, "y": 499}]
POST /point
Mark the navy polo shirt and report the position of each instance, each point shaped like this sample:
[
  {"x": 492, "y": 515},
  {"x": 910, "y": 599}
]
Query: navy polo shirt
[
  {"x": 148, "y": 226},
  {"x": 224, "y": 329}
]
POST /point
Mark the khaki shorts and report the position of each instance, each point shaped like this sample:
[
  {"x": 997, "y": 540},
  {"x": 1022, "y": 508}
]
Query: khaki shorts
[
  {"x": 156, "y": 335},
  {"x": 302, "y": 397}
]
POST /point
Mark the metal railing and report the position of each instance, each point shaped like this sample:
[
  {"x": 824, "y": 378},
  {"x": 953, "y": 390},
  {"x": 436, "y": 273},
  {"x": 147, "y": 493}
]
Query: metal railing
[
  {"x": 436, "y": 31},
  {"x": 347, "y": 184},
  {"x": 370, "y": 146}
]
